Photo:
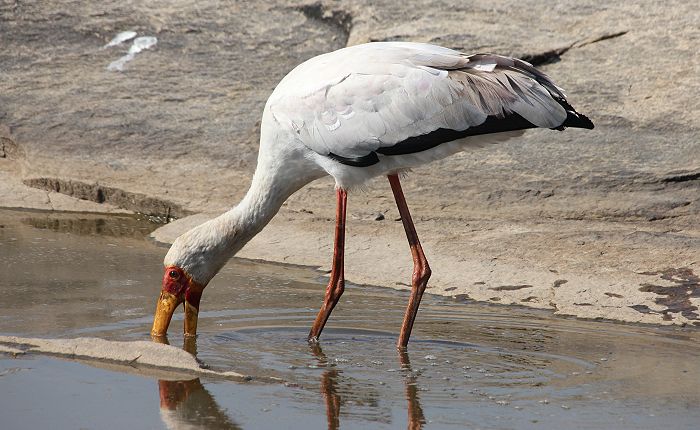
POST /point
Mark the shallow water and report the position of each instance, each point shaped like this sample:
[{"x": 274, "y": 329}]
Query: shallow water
[{"x": 468, "y": 365}]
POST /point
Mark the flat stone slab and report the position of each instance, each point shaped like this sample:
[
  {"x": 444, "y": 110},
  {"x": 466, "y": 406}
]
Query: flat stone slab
[{"x": 152, "y": 356}]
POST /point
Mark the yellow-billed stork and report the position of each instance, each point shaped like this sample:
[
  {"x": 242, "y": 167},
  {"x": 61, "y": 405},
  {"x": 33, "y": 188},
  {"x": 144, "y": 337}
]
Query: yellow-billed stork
[{"x": 356, "y": 113}]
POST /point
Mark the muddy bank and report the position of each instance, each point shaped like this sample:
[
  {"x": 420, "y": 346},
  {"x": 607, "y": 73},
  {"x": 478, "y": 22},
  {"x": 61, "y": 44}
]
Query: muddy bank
[
  {"x": 589, "y": 269},
  {"x": 594, "y": 224}
]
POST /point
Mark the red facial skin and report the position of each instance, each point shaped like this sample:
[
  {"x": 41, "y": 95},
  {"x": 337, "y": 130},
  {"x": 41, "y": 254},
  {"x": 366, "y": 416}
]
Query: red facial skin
[
  {"x": 179, "y": 284},
  {"x": 178, "y": 287},
  {"x": 175, "y": 281}
]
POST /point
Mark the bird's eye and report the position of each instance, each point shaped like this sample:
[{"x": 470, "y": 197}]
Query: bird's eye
[{"x": 174, "y": 274}]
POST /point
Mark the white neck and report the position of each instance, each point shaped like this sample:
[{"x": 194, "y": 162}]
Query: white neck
[
  {"x": 230, "y": 231},
  {"x": 202, "y": 251},
  {"x": 260, "y": 204}
]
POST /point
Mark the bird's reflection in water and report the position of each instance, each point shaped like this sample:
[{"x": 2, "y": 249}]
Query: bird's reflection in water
[
  {"x": 416, "y": 419},
  {"x": 187, "y": 404},
  {"x": 332, "y": 398},
  {"x": 329, "y": 388}
]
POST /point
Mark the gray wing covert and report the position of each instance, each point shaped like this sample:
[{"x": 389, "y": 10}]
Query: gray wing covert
[{"x": 409, "y": 106}]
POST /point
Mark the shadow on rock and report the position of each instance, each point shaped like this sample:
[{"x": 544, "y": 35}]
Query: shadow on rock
[{"x": 675, "y": 297}]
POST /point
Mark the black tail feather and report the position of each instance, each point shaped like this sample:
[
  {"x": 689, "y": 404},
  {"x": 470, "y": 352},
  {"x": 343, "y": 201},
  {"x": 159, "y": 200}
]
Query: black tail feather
[
  {"x": 573, "y": 118},
  {"x": 577, "y": 120}
]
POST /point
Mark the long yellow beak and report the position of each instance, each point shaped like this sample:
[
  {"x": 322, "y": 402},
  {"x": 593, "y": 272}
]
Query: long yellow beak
[
  {"x": 167, "y": 303},
  {"x": 191, "y": 317}
]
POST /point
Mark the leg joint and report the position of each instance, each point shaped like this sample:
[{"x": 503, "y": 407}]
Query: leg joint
[
  {"x": 339, "y": 287},
  {"x": 335, "y": 289},
  {"x": 421, "y": 274}
]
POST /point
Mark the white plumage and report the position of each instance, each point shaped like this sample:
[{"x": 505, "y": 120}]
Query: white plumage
[
  {"x": 370, "y": 110},
  {"x": 359, "y": 99}
]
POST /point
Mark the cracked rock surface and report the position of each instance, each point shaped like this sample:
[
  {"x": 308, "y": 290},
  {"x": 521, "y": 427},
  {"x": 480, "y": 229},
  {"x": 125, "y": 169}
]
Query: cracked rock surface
[{"x": 598, "y": 224}]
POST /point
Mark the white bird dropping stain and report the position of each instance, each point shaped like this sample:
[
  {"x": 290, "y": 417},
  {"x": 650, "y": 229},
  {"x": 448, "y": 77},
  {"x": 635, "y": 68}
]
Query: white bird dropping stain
[
  {"x": 120, "y": 38},
  {"x": 140, "y": 44}
]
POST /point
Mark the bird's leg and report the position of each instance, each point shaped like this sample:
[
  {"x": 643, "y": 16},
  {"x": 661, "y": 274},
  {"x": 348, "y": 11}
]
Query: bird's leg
[
  {"x": 421, "y": 270},
  {"x": 336, "y": 285}
]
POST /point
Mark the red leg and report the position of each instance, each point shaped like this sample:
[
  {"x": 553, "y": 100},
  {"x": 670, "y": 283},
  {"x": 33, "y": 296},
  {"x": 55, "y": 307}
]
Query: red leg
[
  {"x": 336, "y": 285},
  {"x": 421, "y": 270}
]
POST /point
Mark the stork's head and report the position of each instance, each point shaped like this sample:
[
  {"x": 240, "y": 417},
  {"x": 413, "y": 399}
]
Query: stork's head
[
  {"x": 193, "y": 259},
  {"x": 178, "y": 287}
]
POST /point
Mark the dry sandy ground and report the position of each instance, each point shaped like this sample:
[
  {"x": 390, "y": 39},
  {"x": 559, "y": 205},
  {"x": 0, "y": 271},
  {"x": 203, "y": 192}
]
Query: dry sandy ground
[{"x": 597, "y": 224}]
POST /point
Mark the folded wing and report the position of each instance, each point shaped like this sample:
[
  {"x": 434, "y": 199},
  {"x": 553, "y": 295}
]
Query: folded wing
[{"x": 392, "y": 99}]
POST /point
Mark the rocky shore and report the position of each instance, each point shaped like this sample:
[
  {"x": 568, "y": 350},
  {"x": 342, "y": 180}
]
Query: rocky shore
[{"x": 596, "y": 224}]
